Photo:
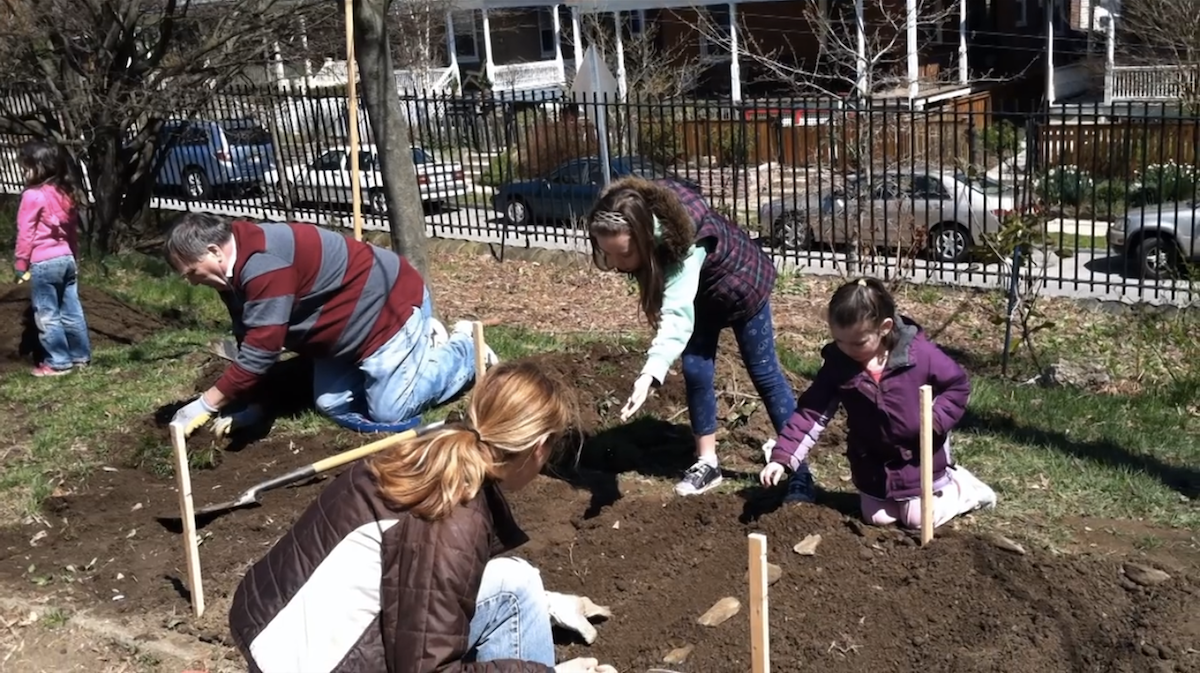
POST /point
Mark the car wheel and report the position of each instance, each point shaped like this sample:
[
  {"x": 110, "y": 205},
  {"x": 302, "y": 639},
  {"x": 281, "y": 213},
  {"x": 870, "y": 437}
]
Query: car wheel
[
  {"x": 1159, "y": 258},
  {"x": 949, "y": 243},
  {"x": 517, "y": 213},
  {"x": 195, "y": 184},
  {"x": 790, "y": 231},
  {"x": 378, "y": 202}
]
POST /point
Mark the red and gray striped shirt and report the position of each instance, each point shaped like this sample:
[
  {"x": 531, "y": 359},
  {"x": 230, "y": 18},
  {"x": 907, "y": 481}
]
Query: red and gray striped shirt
[{"x": 313, "y": 291}]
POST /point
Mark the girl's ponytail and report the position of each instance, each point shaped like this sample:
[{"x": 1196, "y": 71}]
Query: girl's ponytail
[{"x": 431, "y": 475}]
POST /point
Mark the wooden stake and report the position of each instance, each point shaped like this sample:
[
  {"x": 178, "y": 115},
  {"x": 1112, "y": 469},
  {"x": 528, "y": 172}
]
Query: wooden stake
[
  {"x": 760, "y": 650},
  {"x": 480, "y": 360},
  {"x": 926, "y": 464},
  {"x": 187, "y": 512},
  {"x": 352, "y": 94}
]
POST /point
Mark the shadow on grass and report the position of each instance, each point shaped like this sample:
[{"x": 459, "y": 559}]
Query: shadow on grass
[{"x": 1183, "y": 480}]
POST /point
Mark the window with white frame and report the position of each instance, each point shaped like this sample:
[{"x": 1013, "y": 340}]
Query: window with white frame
[
  {"x": 719, "y": 21},
  {"x": 636, "y": 20},
  {"x": 546, "y": 31},
  {"x": 466, "y": 36}
]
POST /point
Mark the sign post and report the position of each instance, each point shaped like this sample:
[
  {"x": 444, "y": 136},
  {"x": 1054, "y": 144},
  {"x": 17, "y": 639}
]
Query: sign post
[{"x": 596, "y": 82}]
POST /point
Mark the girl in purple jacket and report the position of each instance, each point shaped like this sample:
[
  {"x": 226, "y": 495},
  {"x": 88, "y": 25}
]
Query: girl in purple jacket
[
  {"x": 47, "y": 244},
  {"x": 875, "y": 368}
]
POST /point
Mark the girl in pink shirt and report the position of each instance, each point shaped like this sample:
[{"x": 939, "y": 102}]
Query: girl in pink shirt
[{"x": 47, "y": 243}]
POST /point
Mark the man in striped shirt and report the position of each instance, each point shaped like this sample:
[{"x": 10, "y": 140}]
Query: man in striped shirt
[{"x": 361, "y": 312}]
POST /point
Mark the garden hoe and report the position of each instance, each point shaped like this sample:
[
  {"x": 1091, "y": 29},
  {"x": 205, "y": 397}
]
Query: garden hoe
[{"x": 249, "y": 497}]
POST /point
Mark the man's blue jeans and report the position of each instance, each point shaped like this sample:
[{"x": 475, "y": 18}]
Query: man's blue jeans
[
  {"x": 512, "y": 618},
  {"x": 394, "y": 385},
  {"x": 62, "y": 328}
]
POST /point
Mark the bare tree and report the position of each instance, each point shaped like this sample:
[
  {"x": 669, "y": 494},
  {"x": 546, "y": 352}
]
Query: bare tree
[
  {"x": 389, "y": 126},
  {"x": 1163, "y": 33},
  {"x": 861, "y": 47},
  {"x": 100, "y": 78},
  {"x": 653, "y": 71}
]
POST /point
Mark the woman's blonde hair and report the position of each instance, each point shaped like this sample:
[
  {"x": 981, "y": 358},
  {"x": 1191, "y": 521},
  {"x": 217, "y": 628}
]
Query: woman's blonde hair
[{"x": 515, "y": 409}]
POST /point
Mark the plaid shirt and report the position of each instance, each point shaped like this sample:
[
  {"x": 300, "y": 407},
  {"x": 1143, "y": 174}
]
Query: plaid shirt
[{"x": 737, "y": 276}]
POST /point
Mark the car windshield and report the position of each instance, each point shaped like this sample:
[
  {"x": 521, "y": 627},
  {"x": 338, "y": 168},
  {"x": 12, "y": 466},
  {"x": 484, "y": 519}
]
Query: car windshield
[
  {"x": 984, "y": 184},
  {"x": 241, "y": 133}
]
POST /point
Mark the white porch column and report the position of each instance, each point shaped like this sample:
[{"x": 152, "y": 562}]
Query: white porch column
[
  {"x": 622, "y": 83},
  {"x": 914, "y": 60},
  {"x": 556, "y": 22},
  {"x": 308, "y": 70},
  {"x": 735, "y": 66},
  {"x": 452, "y": 49},
  {"x": 1050, "y": 57},
  {"x": 576, "y": 39},
  {"x": 1110, "y": 60},
  {"x": 489, "y": 65},
  {"x": 861, "y": 75},
  {"x": 277, "y": 62},
  {"x": 964, "y": 72}
]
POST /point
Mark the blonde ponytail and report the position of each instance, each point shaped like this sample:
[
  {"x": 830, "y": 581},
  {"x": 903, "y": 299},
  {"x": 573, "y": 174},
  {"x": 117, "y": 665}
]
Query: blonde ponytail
[{"x": 515, "y": 410}]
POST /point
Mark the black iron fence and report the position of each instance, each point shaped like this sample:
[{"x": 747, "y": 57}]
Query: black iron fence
[{"x": 1099, "y": 200}]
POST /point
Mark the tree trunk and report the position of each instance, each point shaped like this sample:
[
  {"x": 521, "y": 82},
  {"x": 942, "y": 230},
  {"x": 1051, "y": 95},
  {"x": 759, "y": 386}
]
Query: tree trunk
[{"x": 389, "y": 127}]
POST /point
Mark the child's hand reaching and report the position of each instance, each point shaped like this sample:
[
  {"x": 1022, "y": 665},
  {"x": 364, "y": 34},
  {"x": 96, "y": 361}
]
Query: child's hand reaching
[{"x": 771, "y": 474}]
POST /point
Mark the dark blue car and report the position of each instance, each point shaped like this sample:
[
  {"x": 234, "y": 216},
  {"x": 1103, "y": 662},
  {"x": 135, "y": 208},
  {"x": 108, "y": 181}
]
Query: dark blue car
[{"x": 567, "y": 192}]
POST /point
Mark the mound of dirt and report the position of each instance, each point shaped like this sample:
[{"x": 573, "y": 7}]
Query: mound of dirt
[
  {"x": 868, "y": 600},
  {"x": 110, "y": 321}
]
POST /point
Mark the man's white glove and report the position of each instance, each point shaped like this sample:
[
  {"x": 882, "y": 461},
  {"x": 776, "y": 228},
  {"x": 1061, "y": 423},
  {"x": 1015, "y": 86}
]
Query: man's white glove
[
  {"x": 583, "y": 665},
  {"x": 227, "y": 424},
  {"x": 573, "y": 612},
  {"x": 641, "y": 388}
]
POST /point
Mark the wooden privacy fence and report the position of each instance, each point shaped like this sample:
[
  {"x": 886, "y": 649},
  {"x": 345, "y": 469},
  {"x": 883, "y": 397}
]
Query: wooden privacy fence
[
  {"x": 838, "y": 143},
  {"x": 1118, "y": 150}
]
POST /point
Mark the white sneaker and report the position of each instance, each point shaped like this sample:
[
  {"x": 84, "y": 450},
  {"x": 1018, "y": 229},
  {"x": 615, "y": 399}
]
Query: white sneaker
[
  {"x": 438, "y": 335},
  {"x": 767, "y": 448},
  {"x": 490, "y": 359},
  {"x": 981, "y": 493}
]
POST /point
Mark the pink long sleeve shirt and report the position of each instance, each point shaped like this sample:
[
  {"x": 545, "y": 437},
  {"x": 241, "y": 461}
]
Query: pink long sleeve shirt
[{"x": 47, "y": 226}]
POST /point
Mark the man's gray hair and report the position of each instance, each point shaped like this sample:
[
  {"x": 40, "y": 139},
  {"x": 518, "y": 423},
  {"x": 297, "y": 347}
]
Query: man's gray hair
[{"x": 192, "y": 233}]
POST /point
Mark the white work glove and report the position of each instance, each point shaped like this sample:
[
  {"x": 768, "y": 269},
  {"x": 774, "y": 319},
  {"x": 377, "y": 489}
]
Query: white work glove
[
  {"x": 641, "y": 388},
  {"x": 193, "y": 415},
  {"x": 771, "y": 474},
  {"x": 573, "y": 612},
  {"x": 227, "y": 424},
  {"x": 583, "y": 665}
]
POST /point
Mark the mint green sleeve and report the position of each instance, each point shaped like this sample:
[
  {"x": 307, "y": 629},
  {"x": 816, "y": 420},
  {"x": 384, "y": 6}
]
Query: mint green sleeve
[{"x": 678, "y": 315}]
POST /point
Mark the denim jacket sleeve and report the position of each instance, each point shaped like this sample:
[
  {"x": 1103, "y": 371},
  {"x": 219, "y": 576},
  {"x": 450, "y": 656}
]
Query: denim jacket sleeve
[
  {"x": 814, "y": 409},
  {"x": 951, "y": 389}
]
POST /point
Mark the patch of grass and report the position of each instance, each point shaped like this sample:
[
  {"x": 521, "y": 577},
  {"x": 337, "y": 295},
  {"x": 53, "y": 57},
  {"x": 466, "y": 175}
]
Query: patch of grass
[
  {"x": 67, "y": 419},
  {"x": 55, "y": 618},
  {"x": 150, "y": 283}
]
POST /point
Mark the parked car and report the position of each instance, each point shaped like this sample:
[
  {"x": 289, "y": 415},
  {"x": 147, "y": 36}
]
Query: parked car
[
  {"x": 568, "y": 191},
  {"x": 327, "y": 179},
  {"x": 945, "y": 208},
  {"x": 1158, "y": 238},
  {"x": 205, "y": 155}
]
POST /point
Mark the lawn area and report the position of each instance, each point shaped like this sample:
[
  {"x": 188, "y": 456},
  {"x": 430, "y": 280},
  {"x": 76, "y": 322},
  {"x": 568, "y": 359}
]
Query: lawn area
[
  {"x": 84, "y": 468},
  {"x": 1132, "y": 451}
]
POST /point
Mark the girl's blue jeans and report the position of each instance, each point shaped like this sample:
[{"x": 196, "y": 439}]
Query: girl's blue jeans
[
  {"x": 756, "y": 341},
  {"x": 58, "y": 313}
]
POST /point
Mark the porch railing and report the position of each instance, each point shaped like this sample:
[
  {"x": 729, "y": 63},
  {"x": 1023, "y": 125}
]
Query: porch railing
[{"x": 1161, "y": 82}]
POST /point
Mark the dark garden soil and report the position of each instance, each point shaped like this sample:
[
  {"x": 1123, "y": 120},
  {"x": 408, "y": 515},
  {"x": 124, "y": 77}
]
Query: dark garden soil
[
  {"x": 869, "y": 599},
  {"x": 110, "y": 321}
]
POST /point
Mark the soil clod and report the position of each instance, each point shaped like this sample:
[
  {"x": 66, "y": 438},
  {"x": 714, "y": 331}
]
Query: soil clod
[
  {"x": 807, "y": 546},
  {"x": 678, "y": 655},
  {"x": 720, "y": 612},
  {"x": 1144, "y": 575},
  {"x": 1000, "y": 542}
]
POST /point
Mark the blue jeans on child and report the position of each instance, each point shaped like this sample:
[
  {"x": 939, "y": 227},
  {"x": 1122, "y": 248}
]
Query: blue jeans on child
[
  {"x": 392, "y": 387},
  {"x": 57, "y": 312},
  {"x": 512, "y": 619},
  {"x": 756, "y": 341}
]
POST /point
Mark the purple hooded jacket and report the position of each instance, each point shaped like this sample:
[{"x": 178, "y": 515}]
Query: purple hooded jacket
[{"x": 883, "y": 442}]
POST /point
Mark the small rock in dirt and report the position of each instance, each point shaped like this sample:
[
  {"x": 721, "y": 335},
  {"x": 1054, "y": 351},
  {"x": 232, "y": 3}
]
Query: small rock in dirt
[
  {"x": 678, "y": 655},
  {"x": 616, "y": 525},
  {"x": 865, "y": 554},
  {"x": 720, "y": 612},
  {"x": 1149, "y": 650},
  {"x": 136, "y": 507},
  {"x": 621, "y": 586},
  {"x": 1145, "y": 575},
  {"x": 859, "y": 528},
  {"x": 807, "y": 546},
  {"x": 920, "y": 641},
  {"x": 1000, "y": 542},
  {"x": 37, "y": 537},
  {"x": 774, "y": 573}
]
